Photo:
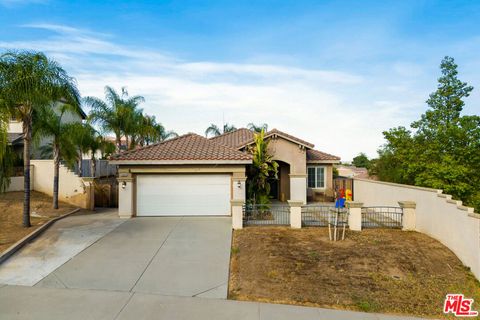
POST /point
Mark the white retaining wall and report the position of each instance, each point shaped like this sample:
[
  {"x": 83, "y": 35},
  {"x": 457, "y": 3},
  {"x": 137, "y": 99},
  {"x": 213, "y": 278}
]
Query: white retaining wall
[
  {"x": 70, "y": 185},
  {"x": 437, "y": 215}
]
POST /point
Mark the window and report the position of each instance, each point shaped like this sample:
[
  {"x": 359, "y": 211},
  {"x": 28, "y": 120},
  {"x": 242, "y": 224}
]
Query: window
[{"x": 316, "y": 177}]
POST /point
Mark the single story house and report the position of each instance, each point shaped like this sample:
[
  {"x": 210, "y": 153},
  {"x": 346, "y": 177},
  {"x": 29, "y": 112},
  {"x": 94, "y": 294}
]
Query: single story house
[{"x": 193, "y": 175}]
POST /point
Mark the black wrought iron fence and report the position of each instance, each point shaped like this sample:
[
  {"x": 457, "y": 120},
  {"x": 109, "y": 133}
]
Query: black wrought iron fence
[
  {"x": 323, "y": 215},
  {"x": 271, "y": 214},
  {"x": 382, "y": 217}
]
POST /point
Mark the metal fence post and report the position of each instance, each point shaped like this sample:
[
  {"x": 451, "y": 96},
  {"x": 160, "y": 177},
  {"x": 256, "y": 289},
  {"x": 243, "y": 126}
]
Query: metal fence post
[
  {"x": 295, "y": 213},
  {"x": 355, "y": 215},
  {"x": 408, "y": 219},
  {"x": 237, "y": 214}
]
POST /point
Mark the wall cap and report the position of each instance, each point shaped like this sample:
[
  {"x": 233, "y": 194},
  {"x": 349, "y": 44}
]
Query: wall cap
[
  {"x": 295, "y": 203},
  {"x": 237, "y": 202},
  {"x": 354, "y": 204},
  {"x": 474, "y": 215},
  {"x": 399, "y": 185},
  {"x": 294, "y": 175},
  {"x": 407, "y": 204}
]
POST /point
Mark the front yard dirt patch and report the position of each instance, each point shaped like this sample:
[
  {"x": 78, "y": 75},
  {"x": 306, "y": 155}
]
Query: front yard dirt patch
[
  {"x": 11, "y": 210},
  {"x": 387, "y": 271}
]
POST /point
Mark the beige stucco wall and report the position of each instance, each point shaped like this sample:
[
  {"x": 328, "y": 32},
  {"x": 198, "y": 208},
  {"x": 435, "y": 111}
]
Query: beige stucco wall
[
  {"x": 71, "y": 187},
  {"x": 15, "y": 127},
  {"x": 456, "y": 226},
  {"x": 290, "y": 153},
  {"x": 127, "y": 174}
]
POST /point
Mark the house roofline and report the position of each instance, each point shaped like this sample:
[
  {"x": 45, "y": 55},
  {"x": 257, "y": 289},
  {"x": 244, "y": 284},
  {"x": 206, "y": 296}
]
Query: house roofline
[
  {"x": 283, "y": 136},
  {"x": 172, "y": 162},
  {"x": 323, "y": 161}
]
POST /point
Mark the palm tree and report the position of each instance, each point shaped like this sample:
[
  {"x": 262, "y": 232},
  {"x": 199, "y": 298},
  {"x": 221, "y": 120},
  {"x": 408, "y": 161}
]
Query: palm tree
[
  {"x": 257, "y": 128},
  {"x": 150, "y": 131},
  {"x": 51, "y": 124},
  {"x": 215, "y": 131},
  {"x": 30, "y": 81},
  {"x": 115, "y": 114}
]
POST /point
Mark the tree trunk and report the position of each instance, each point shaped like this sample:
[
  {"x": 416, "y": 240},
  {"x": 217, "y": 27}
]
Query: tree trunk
[
  {"x": 56, "y": 169},
  {"x": 80, "y": 164},
  {"x": 27, "y": 139},
  {"x": 126, "y": 141},
  {"x": 118, "y": 142}
]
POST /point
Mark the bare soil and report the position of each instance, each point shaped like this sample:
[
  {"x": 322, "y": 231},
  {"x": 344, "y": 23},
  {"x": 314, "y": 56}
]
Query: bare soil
[
  {"x": 11, "y": 210},
  {"x": 387, "y": 271}
]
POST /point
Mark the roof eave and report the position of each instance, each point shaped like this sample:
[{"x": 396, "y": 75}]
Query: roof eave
[
  {"x": 307, "y": 146},
  {"x": 322, "y": 161},
  {"x": 173, "y": 162}
]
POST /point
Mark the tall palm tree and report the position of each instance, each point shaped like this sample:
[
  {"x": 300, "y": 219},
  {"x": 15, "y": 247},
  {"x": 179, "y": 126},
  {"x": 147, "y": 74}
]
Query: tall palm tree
[
  {"x": 30, "y": 81},
  {"x": 151, "y": 131},
  {"x": 115, "y": 113},
  {"x": 257, "y": 128},
  {"x": 52, "y": 124},
  {"x": 215, "y": 131}
]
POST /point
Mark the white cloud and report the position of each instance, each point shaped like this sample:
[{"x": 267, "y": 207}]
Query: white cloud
[{"x": 342, "y": 113}]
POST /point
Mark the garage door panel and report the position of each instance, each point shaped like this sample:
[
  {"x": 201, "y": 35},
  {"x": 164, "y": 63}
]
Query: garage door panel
[{"x": 183, "y": 194}]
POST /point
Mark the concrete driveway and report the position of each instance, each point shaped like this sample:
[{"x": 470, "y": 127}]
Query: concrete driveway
[
  {"x": 181, "y": 256},
  {"x": 143, "y": 268}
]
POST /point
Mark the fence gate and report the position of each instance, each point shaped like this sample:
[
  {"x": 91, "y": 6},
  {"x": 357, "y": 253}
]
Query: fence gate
[
  {"x": 382, "y": 217},
  {"x": 271, "y": 214}
]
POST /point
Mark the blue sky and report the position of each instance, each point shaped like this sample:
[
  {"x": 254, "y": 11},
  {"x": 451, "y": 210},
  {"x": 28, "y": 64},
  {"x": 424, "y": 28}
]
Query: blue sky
[{"x": 336, "y": 73}]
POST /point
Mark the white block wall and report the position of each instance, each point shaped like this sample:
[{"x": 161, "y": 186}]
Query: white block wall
[{"x": 446, "y": 220}]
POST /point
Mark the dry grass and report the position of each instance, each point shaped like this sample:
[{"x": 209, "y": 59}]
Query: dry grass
[
  {"x": 388, "y": 271},
  {"x": 11, "y": 208}
]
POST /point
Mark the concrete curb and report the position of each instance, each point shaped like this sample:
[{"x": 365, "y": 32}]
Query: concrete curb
[{"x": 20, "y": 243}]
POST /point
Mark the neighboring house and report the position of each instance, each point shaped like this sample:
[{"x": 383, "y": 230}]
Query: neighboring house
[
  {"x": 352, "y": 172},
  {"x": 193, "y": 175},
  {"x": 15, "y": 133}
]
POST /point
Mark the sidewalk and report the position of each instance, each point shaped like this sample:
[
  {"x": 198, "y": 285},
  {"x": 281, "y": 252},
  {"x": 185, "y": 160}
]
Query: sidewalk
[{"x": 18, "y": 302}]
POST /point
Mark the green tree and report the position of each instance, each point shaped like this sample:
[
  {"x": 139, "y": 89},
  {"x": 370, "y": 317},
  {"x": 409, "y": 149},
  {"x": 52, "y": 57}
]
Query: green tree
[
  {"x": 361, "y": 161},
  {"x": 442, "y": 151},
  {"x": 257, "y": 128},
  {"x": 30, "y": 81},
  {"x": 150, "y": 131},
  {"x": 215, "y": 131},
  {"x": 262, "y": 169},
  {"x": 117, "y": 114},
  {"x": 51, "y": 124}
]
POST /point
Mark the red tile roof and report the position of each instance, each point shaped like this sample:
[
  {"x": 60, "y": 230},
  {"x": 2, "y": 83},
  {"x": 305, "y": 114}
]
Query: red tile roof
[
  {"x": 234, "y": 139},
  {"x": 315, "y": 155},
  {"x": 276, "y": 132},
  {"x": 187, "y": 147}
]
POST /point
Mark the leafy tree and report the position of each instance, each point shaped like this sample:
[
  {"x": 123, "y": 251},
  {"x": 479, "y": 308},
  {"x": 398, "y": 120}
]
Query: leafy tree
[
  {"x": 118, "y": 114},
  {"x": 215, "y": 131},
  {"x": 30, "y": 81},
  {"x": 257, "y": 128},
  {"x": 150, "y": 131},
  {"x": 361, "y": 161},
  {"x": 51, "y": 123},
  {"x": 262, "y": 169},
  {"x": 442, "y": 151}
]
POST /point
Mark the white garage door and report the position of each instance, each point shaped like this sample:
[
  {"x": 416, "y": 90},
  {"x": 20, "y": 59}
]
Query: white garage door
[{"x": 183, "y": 195}]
